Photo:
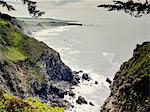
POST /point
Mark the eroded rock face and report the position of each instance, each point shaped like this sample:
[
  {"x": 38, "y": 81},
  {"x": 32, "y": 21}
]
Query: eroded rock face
[
  {"x": 130, "y": 87},
  {"x": 33, "y": 71},
  {"x": 55, "y": 68}
]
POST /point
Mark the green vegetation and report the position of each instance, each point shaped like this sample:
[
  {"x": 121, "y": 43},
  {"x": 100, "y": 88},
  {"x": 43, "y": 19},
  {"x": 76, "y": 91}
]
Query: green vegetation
[
  {"x": 19, "y": 47},
  {"x": 33, "y": 48},
  {"x": 137, "y": 67},
  {"x": 20, "y": 55},
  {"x": 10, "y": 103},
  {"x": 16, "y": 38},
  {"x": 15, "y": 47},
  {"x": 14, "y": 54},
  {"x": 130, "y": 89},
  {"x": 2, "y": 22},
  {"x": 11, "y": 39}
]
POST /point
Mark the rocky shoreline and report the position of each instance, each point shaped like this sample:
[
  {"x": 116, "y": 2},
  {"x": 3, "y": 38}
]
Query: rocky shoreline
[
  {"x": 40, "y": 73},
  {"x": 29, "y": 68}
]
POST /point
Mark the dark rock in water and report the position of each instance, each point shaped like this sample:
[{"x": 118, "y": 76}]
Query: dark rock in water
[
  {"x": 75, "y": 72},
  {"x": 96, "y": 82},
  {"x": 61, "y": 93},
  {"x": 55, "y": 90},
  {"x": 86, "y": 76},
  {"x": 91, "y": 103},
  {"x": 81, "y": 100},
  {"x": 70, "y": 93},
  {"x": 76, "y": 79},
  {"x": 108, "y": 80},
  {"x": 80, "y": 71}
]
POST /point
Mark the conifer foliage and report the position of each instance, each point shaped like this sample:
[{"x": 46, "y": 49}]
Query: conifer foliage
[
  {"x": 32, "y": 7},
  {"x": 136, "y": 9}
]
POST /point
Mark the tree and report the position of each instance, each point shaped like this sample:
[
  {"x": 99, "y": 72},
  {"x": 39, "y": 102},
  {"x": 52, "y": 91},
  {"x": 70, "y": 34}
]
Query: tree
[
  {"x": 136, "y": 9},
  {"x": 32, "y": 7}
]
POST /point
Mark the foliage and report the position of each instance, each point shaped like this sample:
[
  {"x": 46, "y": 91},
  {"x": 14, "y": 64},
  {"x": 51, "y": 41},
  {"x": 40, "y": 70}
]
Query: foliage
[
  {"x": 12, "y": 40},
  {"x": 31, "y": 7},
  {"x": 14, "y": 54},
  {"x": 9, "y": 103},
  {"x": 135, "y": 9},
  {"x": 19, "y": 47}
]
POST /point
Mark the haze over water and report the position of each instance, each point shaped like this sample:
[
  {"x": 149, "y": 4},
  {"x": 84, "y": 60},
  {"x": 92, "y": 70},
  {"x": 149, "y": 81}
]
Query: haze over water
[{"x": 105, "y": 41}]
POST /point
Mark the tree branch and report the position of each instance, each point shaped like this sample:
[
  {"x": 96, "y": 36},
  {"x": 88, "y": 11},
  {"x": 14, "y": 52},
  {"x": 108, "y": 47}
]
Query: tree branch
[
  {"x": 32, "y": 7},
  {"x": 136, "y": 9}
]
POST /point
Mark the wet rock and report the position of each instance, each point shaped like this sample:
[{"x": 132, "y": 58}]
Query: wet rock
[
  {"x": 61, "y": 93},
  {"x": 81, "y": 100},
  {"x": 108, "y": 80},
  {"x": 86, "y": 76},
  {"x": 70, "y": 93},
  {"x": 80, "y": 71},
  {"x": 75, "y": 72},
  {"x": 55, "y": 90},
  {"x": 91, "y": 103},
  {"x": 76, "y": 79},
  {"x": 96, "y": 82}
]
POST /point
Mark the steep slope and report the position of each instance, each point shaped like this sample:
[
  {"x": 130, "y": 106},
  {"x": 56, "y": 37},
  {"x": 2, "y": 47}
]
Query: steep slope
[
  {"x": 29, "y": 67},
  {"x": 9, "y": 103},
  {"x": 131, "y": 84}
]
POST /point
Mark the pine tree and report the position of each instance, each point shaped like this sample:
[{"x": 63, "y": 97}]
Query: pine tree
[
  {"x": 136, "y": 9},
  {"x": 32, "y": 7}
]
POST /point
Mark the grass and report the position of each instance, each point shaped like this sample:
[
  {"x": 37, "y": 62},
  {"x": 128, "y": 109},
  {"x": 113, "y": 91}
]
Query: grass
[
  {"x": 9, "y": 103},
  {"x": 14, "y": 54},
  {"x": 16, "y": 38},
  {"x": 11, "y": 40},
  {"x": 15, "y": 47},
  {"x": 2, "y": 22},
  {"x": 19, "y": 45}
]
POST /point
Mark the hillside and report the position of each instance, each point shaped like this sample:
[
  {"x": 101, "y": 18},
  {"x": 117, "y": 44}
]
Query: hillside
[
  {"x": 29, "y": 68},
  {"x": 130, "y": 87}
]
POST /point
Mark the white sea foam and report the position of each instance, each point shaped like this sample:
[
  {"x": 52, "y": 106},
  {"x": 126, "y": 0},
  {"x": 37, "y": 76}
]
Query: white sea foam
[
  {"x": 89, "y": 90},
  {"x": 52, "y": 31}
]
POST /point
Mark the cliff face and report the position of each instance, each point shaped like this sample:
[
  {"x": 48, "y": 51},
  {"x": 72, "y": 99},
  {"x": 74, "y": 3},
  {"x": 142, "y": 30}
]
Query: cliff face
[
  {"x": 130, "y": 87},
  {"x": 29, "y": 67}
]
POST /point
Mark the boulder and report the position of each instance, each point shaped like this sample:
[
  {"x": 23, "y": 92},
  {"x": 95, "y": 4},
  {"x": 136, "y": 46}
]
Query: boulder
[
  {"x": 86, "y": 76},
  {"x": 70, "y": 93},
  {"x": 76, "y": 79},
  {"x": 108, "y": 80},
  {"x": 91, "y": 103},
  {"x": 81, "y": 100},
  {"x": 96, "y": 82}
]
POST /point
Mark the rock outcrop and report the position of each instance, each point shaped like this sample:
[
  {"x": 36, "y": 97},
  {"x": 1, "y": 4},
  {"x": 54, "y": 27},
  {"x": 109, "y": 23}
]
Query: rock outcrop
[
  {"x": 29, "y": 67},
  {"x": 130, "y": 87}
]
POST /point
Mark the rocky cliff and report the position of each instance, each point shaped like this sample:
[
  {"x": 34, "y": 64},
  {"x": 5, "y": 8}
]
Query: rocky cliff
[
  {"x": 130, "y": 90},
  {"x": 29, "y": 67}
]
